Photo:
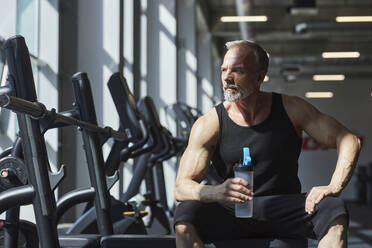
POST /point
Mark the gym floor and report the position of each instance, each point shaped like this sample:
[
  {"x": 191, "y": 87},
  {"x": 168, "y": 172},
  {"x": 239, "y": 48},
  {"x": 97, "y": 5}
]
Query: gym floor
[{"x": 360, "y": 229}]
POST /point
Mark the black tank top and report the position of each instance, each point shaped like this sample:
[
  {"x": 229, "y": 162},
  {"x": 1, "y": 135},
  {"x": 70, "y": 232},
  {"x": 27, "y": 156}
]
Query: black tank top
[{"x": 274, "y": 147}]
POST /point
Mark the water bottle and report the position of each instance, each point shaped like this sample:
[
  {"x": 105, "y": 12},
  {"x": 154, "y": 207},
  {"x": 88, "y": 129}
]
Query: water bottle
[{"x": 245, "y": 171}]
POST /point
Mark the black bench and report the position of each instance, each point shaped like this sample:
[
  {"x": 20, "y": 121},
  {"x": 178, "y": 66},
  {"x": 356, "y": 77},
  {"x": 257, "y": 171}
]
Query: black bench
[{"x": 261, "y": 243}]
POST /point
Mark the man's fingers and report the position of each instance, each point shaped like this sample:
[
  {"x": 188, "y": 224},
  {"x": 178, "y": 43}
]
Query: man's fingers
[
  {"x": 239, "y": 180},
  {"x": 238, "y": 195},
  {"x": 308, "y": 192},
  {"x": 319, "y": 198},
  {"x": 314, "y": 196},
  {"x": 310, "y": 202},
  {"x": 237, "y": 190},
  {"x": 240, "y": 188},
  {"x": 309, "y": 207}
]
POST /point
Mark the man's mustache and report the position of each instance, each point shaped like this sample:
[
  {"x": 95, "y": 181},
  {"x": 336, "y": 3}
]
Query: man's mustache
[{"x": 230, "y": 85}]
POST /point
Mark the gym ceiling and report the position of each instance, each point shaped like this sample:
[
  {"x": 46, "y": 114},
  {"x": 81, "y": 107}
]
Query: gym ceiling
[{"x": 296, "y": 33}]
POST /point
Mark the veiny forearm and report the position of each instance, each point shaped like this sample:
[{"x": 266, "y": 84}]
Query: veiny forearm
[
  {"x": 187, "y": 189},
  {"x": 348, "y": 150},
  {"x": 193, "y": 169}
]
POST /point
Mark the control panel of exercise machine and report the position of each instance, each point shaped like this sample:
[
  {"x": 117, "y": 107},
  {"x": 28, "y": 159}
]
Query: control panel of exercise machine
[{"x": 13, "y": 171}]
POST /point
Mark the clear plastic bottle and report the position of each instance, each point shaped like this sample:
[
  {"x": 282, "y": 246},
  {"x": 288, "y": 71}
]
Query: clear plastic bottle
[{"x": 245, "y": 171}]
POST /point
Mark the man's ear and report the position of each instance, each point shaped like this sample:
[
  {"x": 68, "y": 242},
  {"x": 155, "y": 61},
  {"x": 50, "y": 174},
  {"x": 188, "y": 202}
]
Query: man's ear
[{"x": 261, "y": 76}]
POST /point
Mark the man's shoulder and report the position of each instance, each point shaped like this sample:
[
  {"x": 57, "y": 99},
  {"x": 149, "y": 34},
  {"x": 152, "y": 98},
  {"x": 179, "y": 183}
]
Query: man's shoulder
[
  {"x": 298, "y": 109},
  {"x": 206, "y": 127},
  {"x": 208, "y": 120},
  {"x": 292, "y": 99},
  {"x": 295, "y": 103}
]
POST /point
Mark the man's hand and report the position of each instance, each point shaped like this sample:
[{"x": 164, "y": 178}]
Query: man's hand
[
  {"x": 234, "y": 190},
  {"x": 315, "y": 195}
]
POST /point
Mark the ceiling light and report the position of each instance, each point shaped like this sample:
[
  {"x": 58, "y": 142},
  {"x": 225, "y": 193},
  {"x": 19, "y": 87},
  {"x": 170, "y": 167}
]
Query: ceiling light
[
  {"x": 354, "y": 19},
  {"x": 319, "y": 94},
  {"x": 267, "y": 78},
  {"x": 303, "y": 11},
  {"x": 336, "y": 77},
  {"x": 328, "y": 55},
  {"x": 243, "y": 18}
]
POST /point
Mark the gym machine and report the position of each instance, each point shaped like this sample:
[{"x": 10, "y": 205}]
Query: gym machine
[{"x": 26, "y": 107}]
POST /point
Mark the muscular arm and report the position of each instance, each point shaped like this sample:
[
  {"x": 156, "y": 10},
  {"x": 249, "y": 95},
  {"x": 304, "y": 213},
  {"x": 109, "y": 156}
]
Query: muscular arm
[
  {"x": 195, "y": 163},
  {"x": 195, "y": 160},
  {"x": 326, "y": 130}
]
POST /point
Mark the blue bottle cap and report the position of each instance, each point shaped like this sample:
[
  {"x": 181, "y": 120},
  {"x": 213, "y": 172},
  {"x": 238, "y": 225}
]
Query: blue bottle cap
[{"x": 247, "y": 161}]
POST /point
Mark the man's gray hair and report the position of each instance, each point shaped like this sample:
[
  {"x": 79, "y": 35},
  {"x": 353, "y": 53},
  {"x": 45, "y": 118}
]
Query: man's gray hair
[{"x": 262, "y": 60}]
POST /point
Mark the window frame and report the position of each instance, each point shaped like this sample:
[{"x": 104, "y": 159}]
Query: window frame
[{"x": 2, "y": 60}]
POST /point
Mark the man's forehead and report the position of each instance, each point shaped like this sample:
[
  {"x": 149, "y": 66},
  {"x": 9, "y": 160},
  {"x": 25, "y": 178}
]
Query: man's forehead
[
  {"x": 241, "y": 65},
  {"x": 239, "y": 54}
]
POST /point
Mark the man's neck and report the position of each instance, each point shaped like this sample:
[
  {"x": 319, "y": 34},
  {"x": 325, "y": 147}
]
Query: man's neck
[{"x": 249, "y": 107}]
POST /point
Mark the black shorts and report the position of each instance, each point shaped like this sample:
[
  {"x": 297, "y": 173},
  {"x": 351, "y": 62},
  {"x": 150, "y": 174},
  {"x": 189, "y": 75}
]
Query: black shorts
[{"x": 280, "y": 216}]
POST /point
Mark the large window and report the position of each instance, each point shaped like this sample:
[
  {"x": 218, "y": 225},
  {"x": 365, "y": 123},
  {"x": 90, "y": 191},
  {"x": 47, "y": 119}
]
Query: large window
[
  {"x": 27, "y": 23},
  {"x": 2, "y": 61}
]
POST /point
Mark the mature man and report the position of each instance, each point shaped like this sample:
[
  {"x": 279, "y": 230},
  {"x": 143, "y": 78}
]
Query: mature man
[{"x": 271, "y": 126}]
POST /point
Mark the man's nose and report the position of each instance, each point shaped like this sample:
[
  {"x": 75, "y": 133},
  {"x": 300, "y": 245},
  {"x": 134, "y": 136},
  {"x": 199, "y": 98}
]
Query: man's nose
[{"x": 227, "y": 75}]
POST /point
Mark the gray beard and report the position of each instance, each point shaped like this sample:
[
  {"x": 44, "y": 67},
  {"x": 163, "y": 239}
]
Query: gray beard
[{"x": 231, "y": 96}]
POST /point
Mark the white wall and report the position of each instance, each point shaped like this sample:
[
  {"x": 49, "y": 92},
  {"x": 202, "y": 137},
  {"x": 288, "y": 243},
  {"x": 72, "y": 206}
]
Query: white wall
[
  {"x": 187, "y": 52},
  {"x": 8, "y": 18},
  {"x": 205, "y": 74},
  {"x": 8, "y": 122}
]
